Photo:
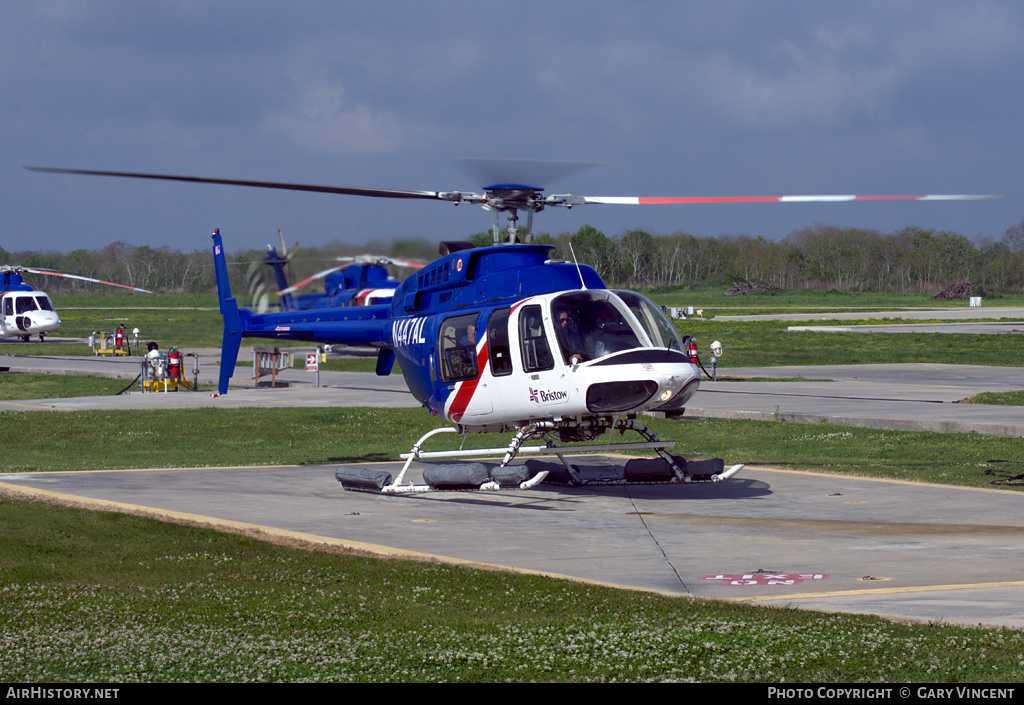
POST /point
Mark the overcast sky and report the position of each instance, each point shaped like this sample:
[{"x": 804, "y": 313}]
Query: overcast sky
[{"x": 741, "y": 97}]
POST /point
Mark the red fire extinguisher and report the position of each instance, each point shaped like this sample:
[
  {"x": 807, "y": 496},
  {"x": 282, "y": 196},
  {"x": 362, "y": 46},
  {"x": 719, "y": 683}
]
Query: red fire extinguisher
[
  {"x": 691, "y": 351},
  {"x": 174, "y": 363}
]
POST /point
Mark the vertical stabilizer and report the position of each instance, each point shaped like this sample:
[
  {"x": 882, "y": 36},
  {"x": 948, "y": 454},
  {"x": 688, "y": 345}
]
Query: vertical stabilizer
[
  {"x": 229, "y": 312},
  {"x": 277, "y": 262}
]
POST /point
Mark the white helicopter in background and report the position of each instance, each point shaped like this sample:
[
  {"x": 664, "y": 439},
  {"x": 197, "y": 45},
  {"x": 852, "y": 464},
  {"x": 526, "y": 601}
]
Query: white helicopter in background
[{"x": 25, "y": 312}]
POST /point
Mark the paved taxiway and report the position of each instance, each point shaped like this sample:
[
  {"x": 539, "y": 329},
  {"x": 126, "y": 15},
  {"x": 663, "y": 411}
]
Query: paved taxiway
[
  {"x": 911, "y": 397},
  {"x": 898, "y": 549}
]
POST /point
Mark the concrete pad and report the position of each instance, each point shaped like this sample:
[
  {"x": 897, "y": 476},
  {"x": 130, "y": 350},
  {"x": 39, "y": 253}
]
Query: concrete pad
[
  {"x": 899, "y": 549},
  {"x": 911, "y": 397}
]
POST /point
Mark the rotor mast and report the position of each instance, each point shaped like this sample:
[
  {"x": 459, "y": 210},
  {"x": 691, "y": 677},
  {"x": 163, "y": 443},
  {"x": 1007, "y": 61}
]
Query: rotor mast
[{"x": 510, "y": 199}]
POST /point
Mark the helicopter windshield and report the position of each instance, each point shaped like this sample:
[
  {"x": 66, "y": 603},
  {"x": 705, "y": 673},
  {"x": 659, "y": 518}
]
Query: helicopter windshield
[
  {"x": 24, "y": 304},
  {"x": 44, "y": 303},
  {"x": 592, "y": 324},
  {"x": 658, "y": 326}
]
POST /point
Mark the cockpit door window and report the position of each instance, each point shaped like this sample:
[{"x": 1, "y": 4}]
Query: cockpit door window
[
  {"x": 457, "y": 344},
  {"x": 533, "y": 340},
  {"x": 497, "y": 343}
]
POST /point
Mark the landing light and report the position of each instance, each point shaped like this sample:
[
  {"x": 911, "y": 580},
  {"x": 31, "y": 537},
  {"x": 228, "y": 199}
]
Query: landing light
[{"x": 666, "y": 394}]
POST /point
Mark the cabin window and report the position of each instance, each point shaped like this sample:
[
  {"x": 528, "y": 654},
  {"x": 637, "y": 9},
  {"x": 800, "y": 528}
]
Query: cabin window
[
  {"x": 535, "y": 348},
  {"x": 8, "y": 307},
  {"x": 24, "y": 304},
  {"x": 457, "y": 344},
  {"x": 497, "y": 343}
]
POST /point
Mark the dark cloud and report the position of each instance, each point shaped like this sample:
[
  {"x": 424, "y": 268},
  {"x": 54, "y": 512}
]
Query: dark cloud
[{"x": 729, "y": 98}]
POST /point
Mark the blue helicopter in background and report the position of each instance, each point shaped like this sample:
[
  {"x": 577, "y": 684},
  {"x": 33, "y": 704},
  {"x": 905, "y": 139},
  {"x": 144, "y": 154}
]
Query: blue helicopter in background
[
  {"x": 506, "y": 339},
  {"x": 363, "y": 281}
]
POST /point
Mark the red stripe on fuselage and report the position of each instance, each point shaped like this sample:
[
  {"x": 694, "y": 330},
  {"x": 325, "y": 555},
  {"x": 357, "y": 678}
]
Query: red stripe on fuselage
[{"x": 464, "y": 392}]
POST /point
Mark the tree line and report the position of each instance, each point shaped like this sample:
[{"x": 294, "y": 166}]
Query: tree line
[{"x": 820, "y": 257}]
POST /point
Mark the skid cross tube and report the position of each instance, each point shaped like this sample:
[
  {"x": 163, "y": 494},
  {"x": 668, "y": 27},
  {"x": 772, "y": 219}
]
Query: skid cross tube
[{"x": 539, "y": 430}]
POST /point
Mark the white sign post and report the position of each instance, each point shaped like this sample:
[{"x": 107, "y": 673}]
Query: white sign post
[{"x": 313, "y": 365}]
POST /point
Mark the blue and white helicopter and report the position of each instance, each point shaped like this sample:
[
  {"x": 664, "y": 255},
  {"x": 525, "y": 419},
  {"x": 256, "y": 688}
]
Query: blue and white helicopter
[
  {"x": 505, "y": 339},
  {"x": 363, "y": 281}
]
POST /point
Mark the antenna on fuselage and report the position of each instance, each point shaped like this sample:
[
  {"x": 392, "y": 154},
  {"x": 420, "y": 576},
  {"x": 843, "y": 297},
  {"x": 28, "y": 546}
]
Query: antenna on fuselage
[{"x": 583, "y": 284}]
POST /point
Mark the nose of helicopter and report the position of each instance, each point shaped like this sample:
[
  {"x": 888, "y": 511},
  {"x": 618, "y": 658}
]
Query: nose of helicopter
[
  {"x": 42, "y": 322},
  {"x": 641, "y": 380}
]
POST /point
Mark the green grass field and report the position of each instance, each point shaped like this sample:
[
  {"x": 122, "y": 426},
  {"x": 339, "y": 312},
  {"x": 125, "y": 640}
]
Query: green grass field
[{"x": 91, "y": 597}]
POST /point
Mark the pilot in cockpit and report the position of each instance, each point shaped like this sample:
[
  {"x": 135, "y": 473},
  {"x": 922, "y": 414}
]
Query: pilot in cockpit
[{"x": 574, "y": 348}]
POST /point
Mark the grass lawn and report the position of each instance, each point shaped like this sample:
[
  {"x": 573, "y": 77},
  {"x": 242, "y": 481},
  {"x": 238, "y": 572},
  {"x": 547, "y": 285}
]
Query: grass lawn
[
  {"x": 42, "y": 386},
  {"x": 1014, "y": 398},
  {"x": 106, "y": 597}
]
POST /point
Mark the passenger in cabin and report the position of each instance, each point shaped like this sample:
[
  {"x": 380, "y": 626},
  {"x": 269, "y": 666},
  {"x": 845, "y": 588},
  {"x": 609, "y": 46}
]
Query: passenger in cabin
[
  {"x": 574, "y": 348},
  {"x": 460, "y": 353}
]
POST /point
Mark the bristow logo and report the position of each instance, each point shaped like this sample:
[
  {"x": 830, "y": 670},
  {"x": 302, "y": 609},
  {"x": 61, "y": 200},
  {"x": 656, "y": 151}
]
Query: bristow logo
[{"x": 539, "y": 396}]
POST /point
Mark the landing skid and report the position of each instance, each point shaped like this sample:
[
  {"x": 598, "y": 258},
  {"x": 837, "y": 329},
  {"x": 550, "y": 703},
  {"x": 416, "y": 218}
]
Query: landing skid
[{"x": 477, "y": 476}]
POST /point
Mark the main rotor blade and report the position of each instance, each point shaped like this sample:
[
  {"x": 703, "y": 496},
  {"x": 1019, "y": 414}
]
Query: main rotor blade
[
  {"x": 361, "y": 259},
  {"x": 374, "y": 193},
  {"x": 87, "y": 279},
  {"x": 382, "y": 260},
  {"x": 409, "y": 263},
  {"x": 503, "y": 200},
  {"x": 309, "y": 280},
  {"x": 658, "y": 200}
]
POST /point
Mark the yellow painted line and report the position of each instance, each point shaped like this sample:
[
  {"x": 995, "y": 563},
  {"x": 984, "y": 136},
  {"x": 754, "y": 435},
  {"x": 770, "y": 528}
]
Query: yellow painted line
[
  {"x": 46, "y": 473},
  {"x": 878, "y": 591},
  {"x": 33, "y": 406}
]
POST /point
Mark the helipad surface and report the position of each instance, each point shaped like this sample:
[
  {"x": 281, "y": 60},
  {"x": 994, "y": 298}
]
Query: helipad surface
[{"x": 808, "y": 540}]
